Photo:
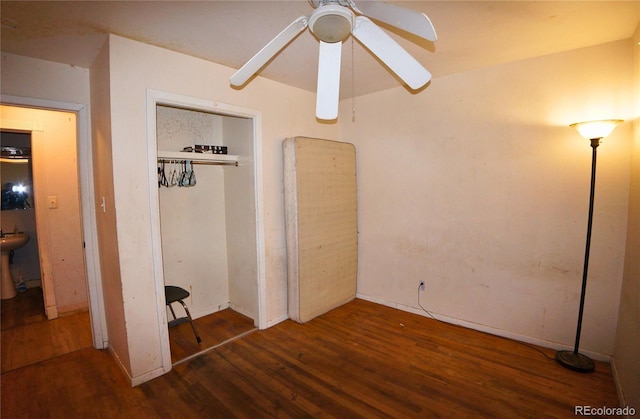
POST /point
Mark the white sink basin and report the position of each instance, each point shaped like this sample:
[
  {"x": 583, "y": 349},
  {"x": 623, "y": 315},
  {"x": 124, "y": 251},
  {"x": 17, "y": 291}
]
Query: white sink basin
[
  {"x": 9, "y": 242},
  {"x": 12, "y": 241}
]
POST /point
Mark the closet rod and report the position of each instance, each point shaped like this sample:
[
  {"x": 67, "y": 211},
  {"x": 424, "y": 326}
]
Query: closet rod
[{"x": 196, "y": 161}]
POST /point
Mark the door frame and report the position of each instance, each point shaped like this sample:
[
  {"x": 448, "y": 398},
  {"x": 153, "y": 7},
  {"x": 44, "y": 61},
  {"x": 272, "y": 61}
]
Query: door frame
[
  {"x": 154, "y": 98},
  {"x": 87, "y": 204}
]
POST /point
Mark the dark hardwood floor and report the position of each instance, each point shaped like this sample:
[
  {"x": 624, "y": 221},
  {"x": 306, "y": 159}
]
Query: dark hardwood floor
[
  {"x": 23, "y": 309},
  {"x": 213, "y": 329},
  {"x": 360, "y": 360}
]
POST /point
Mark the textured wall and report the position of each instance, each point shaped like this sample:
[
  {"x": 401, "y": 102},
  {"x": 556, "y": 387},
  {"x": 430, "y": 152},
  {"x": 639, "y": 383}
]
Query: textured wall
[{"x": 478, "y": 186}]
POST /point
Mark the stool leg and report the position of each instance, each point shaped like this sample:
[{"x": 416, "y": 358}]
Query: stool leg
[
  {"x": 193, "y": 326},
  {"x": 173, "y": 313}
]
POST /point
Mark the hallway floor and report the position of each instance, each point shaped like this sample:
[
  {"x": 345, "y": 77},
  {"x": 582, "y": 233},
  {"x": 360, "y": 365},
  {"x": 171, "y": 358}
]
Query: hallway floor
[{"x": 28, "y": 337}]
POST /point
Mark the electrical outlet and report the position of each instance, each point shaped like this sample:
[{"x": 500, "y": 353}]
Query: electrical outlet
[{"x": 421, "y": 285}]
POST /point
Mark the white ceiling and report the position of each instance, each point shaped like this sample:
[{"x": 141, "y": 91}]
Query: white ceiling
[{"x": 471, "y": 34}]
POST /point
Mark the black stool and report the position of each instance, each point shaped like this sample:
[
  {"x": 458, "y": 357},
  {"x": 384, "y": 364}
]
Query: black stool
[{"x": 176, "y": 294}]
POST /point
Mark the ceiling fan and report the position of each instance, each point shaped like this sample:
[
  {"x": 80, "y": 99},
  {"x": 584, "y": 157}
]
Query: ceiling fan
[{"x": 332, "y": 22}]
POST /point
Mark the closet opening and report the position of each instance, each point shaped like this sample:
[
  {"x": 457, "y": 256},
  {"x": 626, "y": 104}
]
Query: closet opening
[{"x": 207, "y": 226}]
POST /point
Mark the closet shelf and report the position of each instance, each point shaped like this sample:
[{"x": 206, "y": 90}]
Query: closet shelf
[{"x": 229, "y": 159}]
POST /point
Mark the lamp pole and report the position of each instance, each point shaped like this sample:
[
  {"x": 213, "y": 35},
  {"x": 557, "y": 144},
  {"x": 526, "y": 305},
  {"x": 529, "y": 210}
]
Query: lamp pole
[
  {"x": 575, "y": 360},
  {"x": 595, "y": 131}
]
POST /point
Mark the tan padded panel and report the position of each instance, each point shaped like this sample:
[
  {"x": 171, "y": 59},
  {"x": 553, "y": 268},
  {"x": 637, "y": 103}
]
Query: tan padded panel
[{"x": 321, "y": 225}]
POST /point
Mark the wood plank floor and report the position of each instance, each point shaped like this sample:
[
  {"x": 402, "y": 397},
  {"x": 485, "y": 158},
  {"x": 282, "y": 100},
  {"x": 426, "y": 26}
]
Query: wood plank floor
[
  {"x": 213, "y": 329},
  {"x": 360, "y": 360},
  {"x": 23, "y": 309},
  {"x": 28, "y": 337}
]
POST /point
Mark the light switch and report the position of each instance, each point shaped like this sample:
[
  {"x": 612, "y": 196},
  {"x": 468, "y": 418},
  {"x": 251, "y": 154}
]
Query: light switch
[{"x": 53, "y": 202}]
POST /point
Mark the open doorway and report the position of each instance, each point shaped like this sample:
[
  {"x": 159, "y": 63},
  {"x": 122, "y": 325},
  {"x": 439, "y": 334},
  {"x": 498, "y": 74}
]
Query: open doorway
[
  {"x": 67, "y": 232},
  {"x": 50, "y": 270},
  {"x": 55, "y": 207}
]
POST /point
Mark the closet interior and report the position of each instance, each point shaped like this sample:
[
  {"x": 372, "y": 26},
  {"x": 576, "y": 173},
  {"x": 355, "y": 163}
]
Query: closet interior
[{"x": 207, "y": 209}]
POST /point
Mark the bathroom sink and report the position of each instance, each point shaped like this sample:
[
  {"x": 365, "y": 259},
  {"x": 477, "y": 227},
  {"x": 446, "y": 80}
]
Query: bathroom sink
[
  {"x": 9, "y": 242},
  {"x": 12, "y": 241}
]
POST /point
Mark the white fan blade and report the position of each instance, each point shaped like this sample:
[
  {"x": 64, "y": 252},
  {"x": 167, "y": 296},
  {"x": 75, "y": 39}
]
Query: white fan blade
[
  {"x": 408, "y": 20},
  {"x": 269, "y": 51},
  {"x": 328, "y": 94},
  {"x": 389, "y": 52}
]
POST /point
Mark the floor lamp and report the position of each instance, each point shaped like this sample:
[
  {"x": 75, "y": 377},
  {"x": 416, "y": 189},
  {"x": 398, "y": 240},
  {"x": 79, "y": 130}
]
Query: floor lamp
[{"x": 594, "y": 131}]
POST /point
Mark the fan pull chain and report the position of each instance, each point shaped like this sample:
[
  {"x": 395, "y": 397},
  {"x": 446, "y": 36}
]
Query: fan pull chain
[{"x": 353, "y": 78}]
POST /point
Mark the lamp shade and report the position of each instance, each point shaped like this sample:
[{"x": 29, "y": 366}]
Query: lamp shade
[{"x": 596, "y": 129}]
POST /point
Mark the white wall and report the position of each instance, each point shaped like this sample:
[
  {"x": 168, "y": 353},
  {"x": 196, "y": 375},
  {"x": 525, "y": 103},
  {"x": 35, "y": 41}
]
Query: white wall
[
  {"x": 286, "y": 111},
  {"x": 46, "y": 84},
  {"x": 105, "y": 208},
  {"x": 240, "y": 204},
  {"x": 626, "y": 361},
  {"x": 478, "y": 187},
  {"x": 32, "y": 78}
]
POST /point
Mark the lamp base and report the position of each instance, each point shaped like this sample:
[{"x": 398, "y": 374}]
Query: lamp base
[{"x": 575, "y": 361}]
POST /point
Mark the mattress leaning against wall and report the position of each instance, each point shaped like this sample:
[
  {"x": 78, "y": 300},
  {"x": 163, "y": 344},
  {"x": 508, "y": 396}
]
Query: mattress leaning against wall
[{"x": 321, "y": 225}]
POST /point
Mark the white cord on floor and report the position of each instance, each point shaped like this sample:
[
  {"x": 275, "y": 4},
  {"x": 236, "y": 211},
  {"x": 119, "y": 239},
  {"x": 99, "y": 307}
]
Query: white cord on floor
[{"x": 424, "y": 309}]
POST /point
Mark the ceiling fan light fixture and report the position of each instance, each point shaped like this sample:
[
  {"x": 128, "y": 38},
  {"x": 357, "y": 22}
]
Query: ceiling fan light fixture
[{"x": 331, "y": 23}]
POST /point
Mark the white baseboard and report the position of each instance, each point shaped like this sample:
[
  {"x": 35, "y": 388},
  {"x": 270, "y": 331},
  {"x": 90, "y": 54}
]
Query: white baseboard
[
  {"x": 135, "y": 381},
  {"x": 244, "y": 312},
  {"x": 214, "y": 309},
  {"x": 205, "y": 311},
  {"x": 52, "y": 312},
  {"x": 33, "y": 283},
  {"x": 277, "y": 320},
  {"x": 616, "y": 380}
]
